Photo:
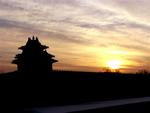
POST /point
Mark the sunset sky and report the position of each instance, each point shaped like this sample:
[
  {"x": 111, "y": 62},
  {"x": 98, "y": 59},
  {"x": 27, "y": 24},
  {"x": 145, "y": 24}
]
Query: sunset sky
[{"x": 84, "y": 35}]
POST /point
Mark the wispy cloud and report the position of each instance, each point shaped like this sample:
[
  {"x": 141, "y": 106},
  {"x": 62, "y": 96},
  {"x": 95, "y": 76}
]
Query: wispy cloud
[{"x": 99, "y": 24}]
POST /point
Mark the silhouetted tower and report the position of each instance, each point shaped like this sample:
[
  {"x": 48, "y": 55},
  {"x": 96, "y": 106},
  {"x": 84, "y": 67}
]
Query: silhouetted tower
[{"x": 34, "y": 57}]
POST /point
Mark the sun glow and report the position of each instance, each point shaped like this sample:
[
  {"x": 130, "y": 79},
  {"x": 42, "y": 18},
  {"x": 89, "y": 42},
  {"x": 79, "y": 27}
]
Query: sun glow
[{"x": 114, "y": 64}]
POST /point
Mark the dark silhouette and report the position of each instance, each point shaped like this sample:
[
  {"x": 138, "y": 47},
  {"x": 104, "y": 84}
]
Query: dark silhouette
[
  {"x": 34, "y": 57},
  {"x": 21, "y": 90}
]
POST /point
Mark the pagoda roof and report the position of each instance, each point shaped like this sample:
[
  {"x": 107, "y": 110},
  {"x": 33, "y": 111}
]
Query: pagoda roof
[
  {"x": 53, "y": 60},
  {"x": 49, "y": 55},
  {"x": 34, "y": 57},
  {"x": 34, "y": 42}
]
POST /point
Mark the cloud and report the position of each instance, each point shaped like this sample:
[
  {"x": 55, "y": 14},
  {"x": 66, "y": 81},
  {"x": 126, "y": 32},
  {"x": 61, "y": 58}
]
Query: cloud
[{"x": 99, "y": 24}]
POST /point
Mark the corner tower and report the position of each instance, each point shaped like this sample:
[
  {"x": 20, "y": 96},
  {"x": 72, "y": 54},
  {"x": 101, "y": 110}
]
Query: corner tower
[{"x": 34, "y": 57}]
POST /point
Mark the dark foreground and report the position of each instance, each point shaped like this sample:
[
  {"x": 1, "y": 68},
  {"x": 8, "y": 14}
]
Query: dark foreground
[
  {"x": 24, "y": 91},
  {"x": 132, "y": 105},
  {"x": 131, "y": 108}
]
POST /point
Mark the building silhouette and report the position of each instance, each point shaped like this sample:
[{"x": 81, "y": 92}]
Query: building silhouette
[{"x": 34, "y": 57}]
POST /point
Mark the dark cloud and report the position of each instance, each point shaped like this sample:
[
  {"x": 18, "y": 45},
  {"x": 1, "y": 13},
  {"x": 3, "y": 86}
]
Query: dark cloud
[
  {"x": 58, "y": 2},
  {"x": 138, "y": 26},
  {"x": 4, "y": 5},
  {"x": 8, "y": 23},
  {"x": 62, "y": 36},
  {"x": 131, "y": 46}
]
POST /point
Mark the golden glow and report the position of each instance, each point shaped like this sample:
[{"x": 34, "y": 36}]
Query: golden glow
[
  {"x": 114, "y": 64},
  {"x": 90, "y": 41}
]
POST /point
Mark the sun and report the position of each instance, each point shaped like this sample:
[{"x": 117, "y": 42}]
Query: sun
[{"x": 114, "y": 64}]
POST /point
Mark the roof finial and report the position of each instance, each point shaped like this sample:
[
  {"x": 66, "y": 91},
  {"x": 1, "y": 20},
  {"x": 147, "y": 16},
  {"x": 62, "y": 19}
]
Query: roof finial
[
  {"x": 33, "y": 38},
  {"x": 29, "y": 38},
  {"x": 37, "y": 39}
]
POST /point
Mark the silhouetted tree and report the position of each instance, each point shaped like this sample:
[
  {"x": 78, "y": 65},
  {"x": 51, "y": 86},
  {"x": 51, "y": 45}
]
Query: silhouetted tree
[{"x": 143, "y": 72}]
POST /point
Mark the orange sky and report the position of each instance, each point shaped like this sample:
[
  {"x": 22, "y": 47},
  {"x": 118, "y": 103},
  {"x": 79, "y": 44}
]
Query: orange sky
[{"x": 84, "y": 35}]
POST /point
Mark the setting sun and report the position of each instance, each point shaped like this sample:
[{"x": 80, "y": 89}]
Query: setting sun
[{"x": 114, "y": 64}]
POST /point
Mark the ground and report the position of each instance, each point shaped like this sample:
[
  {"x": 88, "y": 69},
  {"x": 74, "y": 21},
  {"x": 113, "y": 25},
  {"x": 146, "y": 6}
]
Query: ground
[{"x": 20, "y": 90}]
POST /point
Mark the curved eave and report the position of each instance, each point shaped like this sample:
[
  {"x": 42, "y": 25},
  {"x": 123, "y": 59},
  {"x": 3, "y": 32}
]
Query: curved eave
[
  {"x": 50, "y": 55},
  {"x": 14, "y": 62},
  {"x": 41, "y": 46},
  {"x": 44, "y": 47},
  {"x": 54, "y": 61},
  {"x": 18, "y": 56},
  {"x": 22, "y": 47}
]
